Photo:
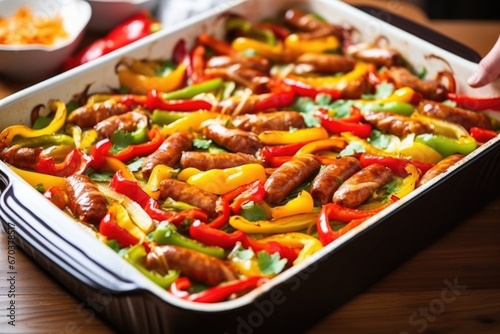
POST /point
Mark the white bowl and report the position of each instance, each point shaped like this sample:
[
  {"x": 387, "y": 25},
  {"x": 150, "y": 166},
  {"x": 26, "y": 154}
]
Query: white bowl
[
  {"x": 107, "y": 14},
  {"x": 34, "y": 62}
]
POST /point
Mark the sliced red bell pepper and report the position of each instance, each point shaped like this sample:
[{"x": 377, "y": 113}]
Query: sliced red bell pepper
[
  {"x": 222, "y": 207},
  {"x": 75, "y": 162},
  {"x": 155, "y": 101},
  {"x": 397, "y": 165},
  {"x": 214, "y": 237},
  {"x": 217, "y": 293},
  {"x": 354, "y": 116},
  {"x": 475, "y": 102},
  {"x": 273, "y": 100},
  {"x": 57, "y": 196},
  {"x": 343, "y": 214},
  {"x": 303, "y": 89},
  {"x": 98, "y": 153},
  {"x": 281, "y": 150},
  {"x": 271, "y": 247},
  {"x": 276, "y": 161},
  {"x": 482, "y": 135},
  {"x": 254, "y": 192},
  {"x": 219, "y": 46},
  {"x": 197, "y": 67},
  {"x": 109, "y": 228},
  {"x": 279, "y": 31},
  {"x": 337, "y": 126},
  {"x": 156, "y": 138}
]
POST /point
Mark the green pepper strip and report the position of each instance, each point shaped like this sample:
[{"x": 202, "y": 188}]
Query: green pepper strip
[
  {"x": 397, "y": 107},
  {"x": 251, "y": 30},
  {"x": 447, "y": 146},
  {"x": 162, "y": 117},
  {"x": 167, "y": 234},
  {"x": 193, "y": 90},
  {"x": 135, "y": 256}
]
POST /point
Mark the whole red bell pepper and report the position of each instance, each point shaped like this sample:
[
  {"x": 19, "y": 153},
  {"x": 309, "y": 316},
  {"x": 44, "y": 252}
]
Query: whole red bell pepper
[
  {"x": 75, "y": 162},
  {"x": 136, "y": 27},
  {"x": 475, "y": 102},
  {"x": 397, "y": 165}
]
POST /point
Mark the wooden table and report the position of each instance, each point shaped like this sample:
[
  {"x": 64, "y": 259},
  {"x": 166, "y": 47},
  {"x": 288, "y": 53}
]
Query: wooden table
[{"x": 418, "y": 297}]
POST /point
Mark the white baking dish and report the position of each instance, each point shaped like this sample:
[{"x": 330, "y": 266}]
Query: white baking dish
[{"x": 299, "y": 296}]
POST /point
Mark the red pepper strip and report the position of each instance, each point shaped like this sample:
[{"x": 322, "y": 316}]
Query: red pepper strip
[
  {"x": 475, "y": 102},
  {"x": 217, "y": 293},
  {"x": 57, "y": 196},
  {"x": 110, "y": 229},
  {"x": 343, "y": 214},
  {"x": 133, "y": 29},
  {"x": 197, "y": 64},
  {"x": 75, "y": 162},
  {"x": 222, "y": 206},
  {"x": 397, "y": 165},
  {"x": 271, "y": 247},
  {"x": 255, "y": 193},
  {"x": 210, "y": 236},
  {"x": 98, "y": 153},
  {"x": 276, "y": 161},
  {"x": 273, "y": 100},
  {"x": 325, "y": 232},
  {"x": 482, "y": 135},
  {"x": 180, "y": 53},
  {"x": 140, "y": 150},
  {"x": 281, "y": 150},
  {"x": 337, "y": 126},
  {"x": 278, "y": 31},
  {"x": 303, "y": 89},
  {"x": 193, "y": 214},
  {"x": 219, "y": 46},
  {"x": 154, "y": 101}
]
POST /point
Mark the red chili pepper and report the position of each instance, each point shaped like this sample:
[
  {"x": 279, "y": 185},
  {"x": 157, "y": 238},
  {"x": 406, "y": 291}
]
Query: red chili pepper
[
  {"x": 303, "y": 89},
  {"x": 397, "y": 165},
  {"x": 109, "y": 228},
  {"x": 154, "y": 101},
  {"x": 475, "y": 102},
  {"x": 132, "y": 151},
  {"x": 217, "y": 293},
  {"x": 136, "y": 27},
  {"x": 337, "y": 126},
  {"x": 482, "y": 135},
  {"x": 219, "y": 46},
  {"x": 75, "y": 162},
  {"x": 210, "y": 236}
]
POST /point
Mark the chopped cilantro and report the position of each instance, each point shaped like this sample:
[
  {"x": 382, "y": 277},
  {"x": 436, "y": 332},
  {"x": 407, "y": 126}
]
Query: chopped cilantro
[{"x": 270, "y": 264}]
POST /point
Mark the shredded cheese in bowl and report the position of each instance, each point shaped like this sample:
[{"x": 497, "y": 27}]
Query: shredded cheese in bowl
[{"x": 25, "y": 27}]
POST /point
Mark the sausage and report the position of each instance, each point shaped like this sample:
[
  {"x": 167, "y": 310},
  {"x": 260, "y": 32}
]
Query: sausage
[
  {"x": 196, "y": 265},
  {"x": 184, "y": 192},
  {"x": 332, "y": 176},
  {"x": 85, "y": 201},
  {"x": 324, "y": 63},
  {"x": 430, "y": 89},
  {"x": 439, "y": 168},
  {"x": 359, "y": 187},
  {"x": 234, "y": 140},
  {"x": 127, "y": 122},
  {"x": 257, "y": 63},
  {"x": 288, "y": 176},
  {"x": 22, "y": 157},
  {"x": 206, "y": 161},
  {"x": 398, "y": 125},
  {"x": 312, "y": 27},
  {"x": 258, "y": 123},
  {"x": 379, "y": 56},
  {"x": 169, "y": 152},
  {"x": 89, "y": 115},
  {"x": 354, "y": 89},
  {"x": 464, "y": 117}
]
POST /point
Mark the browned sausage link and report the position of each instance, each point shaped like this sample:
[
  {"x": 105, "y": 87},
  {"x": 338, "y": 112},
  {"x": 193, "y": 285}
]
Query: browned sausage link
[
  {"x": 332, "y": 176},
  {"x": 234, "y": 140},
  {"x": 169, "y": 152},
  {"x": 127, "y": 122},
  {"x": 324, "y": 63},
  {"x": 257, "y": 63},
  {"x": 288, "y": 176},
  {"x": 359, "y": 187},
  {"x": 258, "y": 123},
  {"x": 378, "y": 56},
  {"x": 187, "y": 193},
  {"x": 354, "y": 89},
  {"x": 464, "y": 117},
  {"x": 439, "y": 168},
  {"x": 398, "y": 125},
  {"x": 255, "y": 80},
  {"x": 84, "y": 199},
  {"x": 198, "y": 266},
  {"x": 206, "y": 161},
  {"x": 22, "y": 157},
  {"x": 402, "y": 77},
  {"x": 89, "y": 115},
  {"x": 311, "y": 26}
]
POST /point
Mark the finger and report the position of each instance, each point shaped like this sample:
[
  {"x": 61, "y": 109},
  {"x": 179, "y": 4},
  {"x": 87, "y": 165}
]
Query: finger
[{"x": 488, "y": 68}]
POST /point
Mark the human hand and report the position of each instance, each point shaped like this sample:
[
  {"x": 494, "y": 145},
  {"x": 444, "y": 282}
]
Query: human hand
[{"x": 488, "y": 68}]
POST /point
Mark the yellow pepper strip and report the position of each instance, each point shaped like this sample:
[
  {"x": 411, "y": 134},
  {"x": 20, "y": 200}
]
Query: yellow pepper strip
[
  {"x": 403, "y": 94},
  {"x": 124, "y": 221},
  {"x": 143, "y": 83},
  {"x": 37, "y": 179},
  {"x": 369, "y": 148},
  {"x": 221, "y": 181},
  {"x": 303, "y": 203},
  {"x": 88, "y": 138},
  {"x": 186, "y": 173},
  {"x": 57, "y": 122},
  {"x": 323, "y": 144},
  {"x": 409, "y": 182},
  {"x": 274, "y": 52},
  {"x": 417, "y": 151},
  {"x": 277, "y": 137},
  {"x": 159, "y": 173},
  {"x": 191, "y": 122},
  {"x": 297, "y": 46},
  {"x": 293, "y": 223},
  {"x": 113, "y": 164},
  {"x": 247, "y": 267},
  {"x": 310, "y": 244},
  {"x": 360, "y": 69}
]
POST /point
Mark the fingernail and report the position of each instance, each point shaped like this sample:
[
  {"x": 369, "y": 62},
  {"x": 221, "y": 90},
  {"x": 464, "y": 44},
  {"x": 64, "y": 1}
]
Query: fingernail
[{"x": 474, "y": 79}]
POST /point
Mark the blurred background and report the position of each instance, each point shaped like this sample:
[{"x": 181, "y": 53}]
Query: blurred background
[{"x": 458, "y": 9}]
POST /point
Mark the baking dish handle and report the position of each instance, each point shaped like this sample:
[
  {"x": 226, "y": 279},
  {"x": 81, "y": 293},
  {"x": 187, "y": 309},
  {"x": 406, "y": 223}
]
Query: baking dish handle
[
  {"x": 42, "y": 233},
  {"x": 422, "y": 32}
]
